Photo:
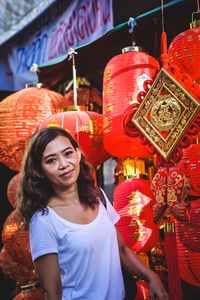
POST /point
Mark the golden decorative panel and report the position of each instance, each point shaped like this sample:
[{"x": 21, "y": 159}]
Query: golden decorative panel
[{"x": 166, "y": 113}]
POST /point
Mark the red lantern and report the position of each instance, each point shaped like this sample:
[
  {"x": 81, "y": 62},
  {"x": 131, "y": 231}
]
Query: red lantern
[
  {"x": 136, "y": 217},
  {"x": 33, "y": 294},
  {"x": 142, "y": 291},
  {"x": 190, "y": 233},
  {"x": 190, "y": 164},
  {"x": 123, "y": 84},
  {"x": 12, "y": 189},
  {"x": 184, "y": 52},
  {"x": 188, "y": 263},
  {"x": 20, "y": 115},
  {"x": 86, "y": 128},
  {"x": 15, "y": 270},
  {"x": 85, "y": 96},
  {"x": 16, "y": 241}
]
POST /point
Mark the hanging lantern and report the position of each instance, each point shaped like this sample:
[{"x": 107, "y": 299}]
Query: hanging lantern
[
  {"x": 184, "y": 52},
  {"x": 136, "y": 218},
  {"x": 20, "y": 114},
  {"x": 15, "y": 270},
  {"x": 85, "y": 127},
  {"x": 123, "y": 84},
  {"x": 12, "y": 189},
  {"x": 30, "y": 293},
  {"x": 142, "y": 291},
  {"x": 188, "y": 263},
  {"x": 189, "y": 234},
  {"x": 87, "y": 95},
  {"x": 16, "y": 241},
  {"x": 131, "y": 169},
  {"x": 190, "y": 164}
]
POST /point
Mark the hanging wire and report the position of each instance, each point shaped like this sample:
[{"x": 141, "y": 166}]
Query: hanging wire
[
  {"x": 198, "y": 9},
  {"x": 162, "y": 9}
]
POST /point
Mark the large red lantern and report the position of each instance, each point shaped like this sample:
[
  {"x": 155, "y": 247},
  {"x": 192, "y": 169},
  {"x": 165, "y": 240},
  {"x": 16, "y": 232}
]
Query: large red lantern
[
  {"x": 189, "y": 234},
  {"x": 142, "y": 291},
  {"x": 123, "y": 84},
  {"x": 86, "y": 95},
  {"x": 86, "y": 128},
  {"x": 190, "y": 164},
  {"x": 136, "y": 217},
  {"x": 184, "y": 52},
  {"x": 32, "y": 294},
  {"x": 188, "y": 263},
  {"x": 20, "y": 114},
  {"x": 16, "y": 241},
  {"x": 14, "y": 270},
  {"x": 12, "y": 189}
]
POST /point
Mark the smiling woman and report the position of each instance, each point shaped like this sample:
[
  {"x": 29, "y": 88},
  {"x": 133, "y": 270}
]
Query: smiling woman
[{"x": 75, "y": 245}]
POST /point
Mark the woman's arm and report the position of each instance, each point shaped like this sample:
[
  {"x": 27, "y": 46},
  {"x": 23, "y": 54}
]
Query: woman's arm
[
  {"x": 131, "y": 262},
  {"x": 49, "y": 275}
]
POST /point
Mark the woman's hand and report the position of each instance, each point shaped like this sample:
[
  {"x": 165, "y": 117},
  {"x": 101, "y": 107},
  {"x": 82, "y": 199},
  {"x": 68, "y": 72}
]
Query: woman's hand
[{"x": 156, "y": 288}]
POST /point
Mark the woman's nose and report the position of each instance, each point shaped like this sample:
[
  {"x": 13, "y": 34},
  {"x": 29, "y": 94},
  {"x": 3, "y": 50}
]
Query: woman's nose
[{"x": 62, "y": 163}]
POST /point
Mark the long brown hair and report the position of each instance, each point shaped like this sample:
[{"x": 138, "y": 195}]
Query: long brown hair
[{"x": 34, "y": 192}]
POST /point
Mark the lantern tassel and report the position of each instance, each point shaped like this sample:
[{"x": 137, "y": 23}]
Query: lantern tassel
[{"x": 174, "y": 284}]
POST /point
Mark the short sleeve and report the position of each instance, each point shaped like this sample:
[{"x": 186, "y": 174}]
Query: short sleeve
[
  {"x": 42, "y": 237},
  {"x": 113, "y": 215}
]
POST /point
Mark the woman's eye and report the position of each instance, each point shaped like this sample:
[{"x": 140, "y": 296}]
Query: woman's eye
[
  {"x": 68, "y": 153},
  {"x": 50, "y": 161}
]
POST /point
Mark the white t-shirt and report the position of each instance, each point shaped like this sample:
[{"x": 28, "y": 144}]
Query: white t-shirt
[{"x": 88, "y": 254}]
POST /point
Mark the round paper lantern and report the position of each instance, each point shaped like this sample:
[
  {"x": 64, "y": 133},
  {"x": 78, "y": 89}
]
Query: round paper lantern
[
  {"x": 86, "y": 95},
  {"x": 12, "y": 189},
  {"x": 15, "y": 270},
  {"x": 20, "y": 114},
  {"x": 136, "y": 218},
  {"x": 16, "y": 241},
  {"x": 188, "y": 262},
  {"x": 32, "y": 294},
  {"x": 142, "y": 291},
  {"x": 190, "y": 164},
  {"x": 123, "y": 84},
  {"x": 86, "y": 128},
  {"x": 184, "y": 52},
  {"x": 189, "y": 234}
]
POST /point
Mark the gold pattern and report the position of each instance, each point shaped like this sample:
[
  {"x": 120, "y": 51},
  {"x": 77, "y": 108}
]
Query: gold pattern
[{"x": 166, "y": 113}]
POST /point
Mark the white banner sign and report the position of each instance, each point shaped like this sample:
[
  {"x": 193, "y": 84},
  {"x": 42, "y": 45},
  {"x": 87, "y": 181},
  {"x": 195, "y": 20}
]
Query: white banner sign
[{"x": 62, "y": 27}]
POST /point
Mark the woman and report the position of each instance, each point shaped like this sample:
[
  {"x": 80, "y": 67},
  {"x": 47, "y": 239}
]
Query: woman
[{"x": 75, "y": 245}]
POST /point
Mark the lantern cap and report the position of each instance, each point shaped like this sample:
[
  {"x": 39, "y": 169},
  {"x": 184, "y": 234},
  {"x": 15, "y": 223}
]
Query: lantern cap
[
  {"x": 195, "y": 20},
  {"x": 74, "y": 108},
  {"x": 131, "y": 48}
]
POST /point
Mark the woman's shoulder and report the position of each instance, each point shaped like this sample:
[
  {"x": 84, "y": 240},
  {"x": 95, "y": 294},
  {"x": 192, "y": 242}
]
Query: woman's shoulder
[{"x": 42, "y": 214}]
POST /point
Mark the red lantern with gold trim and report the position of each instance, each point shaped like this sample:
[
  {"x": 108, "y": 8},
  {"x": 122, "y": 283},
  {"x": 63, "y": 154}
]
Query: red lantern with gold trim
[
  {"x": 14, "y": 270},
  {"x": 20, "y": 114},
  {"x": 190, "y": 164},
  {"x": 184, "y": 52},
  {"x": 12, "y": 189},
  {"x": 189, "y": 234},
  {"x": 32, "y": 294},
  {"x": 86, "y": 95},
  {"x": 188, "y": 263},
  {"x": 16, "y": 241},
  {"x": 136, "y": 217},
  {"x": 142, "y": 291},
  {"x": 85, "y": 127},
  {"x": 123, "y": 84}
]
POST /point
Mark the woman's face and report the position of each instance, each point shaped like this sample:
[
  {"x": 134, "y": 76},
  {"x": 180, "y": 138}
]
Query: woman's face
[{"x": 61, "y": 163}]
